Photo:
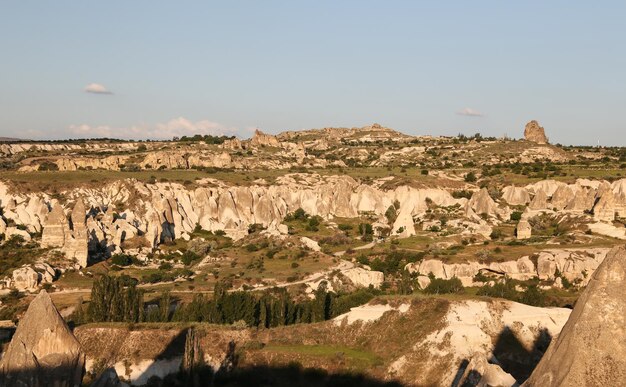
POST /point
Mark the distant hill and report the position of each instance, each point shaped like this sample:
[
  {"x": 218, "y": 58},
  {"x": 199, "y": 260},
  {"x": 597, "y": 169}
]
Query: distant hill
[{"x": 11, "y": 139}]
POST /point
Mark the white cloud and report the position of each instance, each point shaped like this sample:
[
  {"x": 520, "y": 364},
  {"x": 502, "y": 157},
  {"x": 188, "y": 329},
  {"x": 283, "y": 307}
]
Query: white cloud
[
  {"x": 96, "y": 88},
  {"x": 176, "y": 127},
  {"x": 469, "y": 112}
]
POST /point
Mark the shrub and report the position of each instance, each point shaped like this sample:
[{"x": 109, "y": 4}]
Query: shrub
[
  {"x": 443, "y": 286},
  {"x": 516, "y": 216},
  {"x": 121, "y": 259},
  {"x": 470, "y": 177}
]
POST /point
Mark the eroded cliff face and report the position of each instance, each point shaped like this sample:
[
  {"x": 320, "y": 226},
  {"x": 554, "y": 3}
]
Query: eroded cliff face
[
  {"x": 164, "y": 211},
  {"x": 154, "y": 213},
  {"x": 43, "y": 351}
]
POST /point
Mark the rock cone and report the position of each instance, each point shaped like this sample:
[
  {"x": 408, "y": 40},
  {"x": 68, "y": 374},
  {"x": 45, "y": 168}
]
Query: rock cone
[
  {"x": 43, "y": 351},
  {"x": 591, "y": 348}
]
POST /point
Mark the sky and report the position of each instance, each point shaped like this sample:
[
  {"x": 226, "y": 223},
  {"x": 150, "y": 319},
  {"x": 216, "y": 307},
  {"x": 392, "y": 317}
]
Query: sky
[{"x": 158, "y": 69}]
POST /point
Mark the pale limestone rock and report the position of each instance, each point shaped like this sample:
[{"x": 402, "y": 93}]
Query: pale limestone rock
[
  {"x": 482, "y": 203},
  {"x": 423, "y": 281},
  {"x": 76, "y": 246},
  {"x": 25, "y": 279},
  {"x": 428, "y": 266},
  {"x": 54, "y": 228},
  {"x": 523, "y": 230},
  {"x": 364, "y": 278},
  {"x": 263, "y": 139},
  {"x": 43, "y": 350},
  {"x": 561, "y": 197},
  {"x": 311, "y": 244},
  {"x": 480, "y": 373},
  {"x": 546, "y": 266},
  {"x": 605, "y": 209},
  {"x": 591, "y": 348},
  {"x": 11, "y": 231},
  {"x": 515, "y": 196},
  {"x": 535, "y": 133},
  {"x": 583, "y": 201},
  {"x": 540, "y": 201}
]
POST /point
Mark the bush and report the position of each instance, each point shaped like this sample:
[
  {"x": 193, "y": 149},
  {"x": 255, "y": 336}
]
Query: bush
[
  {"x": 443, "y": 286},
  {"x": 516, "y": 216},
  {"x": 122, "y": 259},
  {"x": 189, "y": 257},
  {"x": 470, "y": 177}
]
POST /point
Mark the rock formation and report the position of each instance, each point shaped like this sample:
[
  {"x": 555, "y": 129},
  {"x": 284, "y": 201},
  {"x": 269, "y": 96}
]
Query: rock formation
[
  {"x": 54, "y": 228},
  {"x": 482, "y": 203},
  {"x": 605, "y": 209},
  {"x": 28, "y": 278},
  {"x": 515, "y": 196},
  {"x": 108, "y": 378},
  {"x": 523, "y": 230},
  {"x": 43, "y": 351},
  {"x": 591, "y": 348},
  {"x": 535, "y": 133},
  {"x": 263, "y": 139},
  {"x": 76, "y": 246},
  {"x": 540, "y": 201}
]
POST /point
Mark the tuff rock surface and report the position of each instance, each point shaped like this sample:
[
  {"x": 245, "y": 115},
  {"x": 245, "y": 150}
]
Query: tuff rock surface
[
  {"x": 591, "y": 348},
  {"x": 43, "y": 350},
  {"x": 535, "y": 133}
]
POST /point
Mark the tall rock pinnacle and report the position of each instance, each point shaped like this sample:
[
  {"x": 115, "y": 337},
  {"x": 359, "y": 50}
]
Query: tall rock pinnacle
[
  {"x": 43, "y": 351},
  {"x": 591, "y": 349}
]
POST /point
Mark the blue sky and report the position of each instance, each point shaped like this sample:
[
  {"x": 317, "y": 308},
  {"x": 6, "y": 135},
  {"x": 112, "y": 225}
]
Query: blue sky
[{"x": 226, "y": 67}]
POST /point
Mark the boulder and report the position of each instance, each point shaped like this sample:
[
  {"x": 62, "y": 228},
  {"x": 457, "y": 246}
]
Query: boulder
[
  {"x": 25, "y": 279},
  {"x": 310, "y": 244},
  {"x": 535, "y": 133},
  {"x": 591, "y": 348},
  {"x": 43, "y": 350},
  {"x": 14, "y": 231}
]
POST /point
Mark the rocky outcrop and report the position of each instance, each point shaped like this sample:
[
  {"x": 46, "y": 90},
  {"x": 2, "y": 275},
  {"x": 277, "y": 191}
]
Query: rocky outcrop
[
  {"x": 591, "y": 348},
  {"x": 29, "y": 278},
  {"x": 482, "y": 203},
  {"x": 43, "y": 351},
  {"x": 523, "y": 230},
  {"x": 71, "y": 239},
  {"x": 364, "y": 278},
  {"x": 576, "y": 265},
  {"x": 540, "y": 201},
  {"x": 76, "y": 245},
  {"x": 515, "y": 196},
  {"x": 263, "y": 139},
  {"x": 535, "y": 133},
  {"x": 605, "y": 209},
  {"x": 55, "y": 228}
]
